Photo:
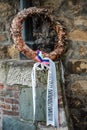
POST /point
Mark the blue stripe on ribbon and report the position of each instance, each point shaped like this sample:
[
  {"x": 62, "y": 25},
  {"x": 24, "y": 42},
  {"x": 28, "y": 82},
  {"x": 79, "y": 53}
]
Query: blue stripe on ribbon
[{"x": 40, "y": 57}]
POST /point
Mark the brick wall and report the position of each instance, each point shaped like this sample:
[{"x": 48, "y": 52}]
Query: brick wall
[{"x": 9, "y": 100}]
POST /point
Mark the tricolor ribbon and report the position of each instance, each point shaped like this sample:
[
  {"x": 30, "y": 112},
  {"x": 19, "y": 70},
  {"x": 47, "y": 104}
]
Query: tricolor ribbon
[
  {"x": 52, "y": 94},
  {"x": 40, "y": 57}
]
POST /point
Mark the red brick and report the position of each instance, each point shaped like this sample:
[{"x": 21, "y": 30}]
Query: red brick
[
  {"x": 1, "y": 86},
  {"x": 14, "y": 108},
  {"x": 16, "y": 95},
  {"x": 11, "y": 113},
  {"x": 5, "y": 106},
  {"x": 15, "y": 88},
  {"x": 3, "y": 93},
  {"x": 1, "y": 99},
  {"x": 12, "y": 101}
]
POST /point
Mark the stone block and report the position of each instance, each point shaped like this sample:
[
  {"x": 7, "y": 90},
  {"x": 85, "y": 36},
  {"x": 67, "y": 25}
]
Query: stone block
[
  {"x": 77, "y": 66},
  {"x": 3, "y": 52},
  {"x": 76, "y": 93},
  {"x": 3, "y": 37},
  {"x": 13, "y": 52},
  {"x": 81, "y": 22},
  {"x": 19, "y": 73},
  {"x": 78, "y": 35},
  {"x": 6, "y": 9},
  {"x": 26, "y": 104},
  {"x": 83, "y": 51},
  {"x": 51, "y": 128},
  {"x": 79, "y": 96},
  {"x": 79, "y": 88},
  {"x": 52, "y": 5},
  {"x": 77, "y": 50},
  {"x": 14, "y": 124},
  {"x": 2, "y": 26}
]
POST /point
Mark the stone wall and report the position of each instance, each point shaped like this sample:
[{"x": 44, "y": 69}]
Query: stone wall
[
  {"x": 16, "y": 100},
  {"x": 73, "y": 15},
  {"x": 8, "y": 9}
]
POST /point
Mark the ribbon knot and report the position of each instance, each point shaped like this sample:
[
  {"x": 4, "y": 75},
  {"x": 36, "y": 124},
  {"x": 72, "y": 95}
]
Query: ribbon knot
[{"x": 40, "y": 57}]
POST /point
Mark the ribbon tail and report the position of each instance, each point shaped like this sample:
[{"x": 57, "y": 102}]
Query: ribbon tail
[
  {"x": 52, "y": 97},
  {"x": 33, "y": 75}
]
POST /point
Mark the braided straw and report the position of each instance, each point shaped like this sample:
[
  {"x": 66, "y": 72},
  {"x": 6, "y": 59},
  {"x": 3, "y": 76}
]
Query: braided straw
[{"x": 16, "y": 29}]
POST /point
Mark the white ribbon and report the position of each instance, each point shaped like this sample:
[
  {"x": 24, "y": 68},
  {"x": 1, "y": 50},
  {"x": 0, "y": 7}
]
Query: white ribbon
[{"x": 52, "y": 94}]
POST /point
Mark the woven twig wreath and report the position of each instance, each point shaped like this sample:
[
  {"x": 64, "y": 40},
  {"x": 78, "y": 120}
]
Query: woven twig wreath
[{"x": 16, "y": 29}]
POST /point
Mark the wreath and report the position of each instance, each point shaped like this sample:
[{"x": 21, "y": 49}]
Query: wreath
[{"x": 16, "y": 28}]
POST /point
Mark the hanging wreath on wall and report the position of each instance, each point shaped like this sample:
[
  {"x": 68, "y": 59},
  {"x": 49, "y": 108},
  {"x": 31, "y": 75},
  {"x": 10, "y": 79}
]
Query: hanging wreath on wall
[{"x": 16, "y": 29}]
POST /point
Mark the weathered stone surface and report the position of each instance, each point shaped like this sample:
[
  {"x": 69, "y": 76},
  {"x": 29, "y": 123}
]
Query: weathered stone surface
[
  {"x": 78, "y": 35},
  {"x": 73, "y": 15},
  {"x": 13, "y": 52},
  {"x": 2, "y": 26},
  {"x": 26, "y": 103},
  {"x": 6, "y": 9},
  {"x": 2, "y": 73},
  {"x": 52, "y": 5},
  {"x": 83, "y": 51},
  {"x": 77, "y": 66},
  {"x": 77, "y": 99},
  {"x": 3, "y": 52},
  {"x": 3, "y": 37},
  {"x": 79, "y": 87},
  {"x": 19, "y": 74},
  {"x": 14, "y": 124},
  {"x": 51, "y": 128},
  {"x": 81, "y": 22},
  {"x": 74, "y": 77},
  {"x": 79, "y": 49},
  {"x": 8, "y": 51},
  {"x": 16, "y": 69}
]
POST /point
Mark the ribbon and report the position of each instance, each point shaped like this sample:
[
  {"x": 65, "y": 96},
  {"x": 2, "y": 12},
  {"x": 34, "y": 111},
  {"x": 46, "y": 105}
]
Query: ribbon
[
  {"x": 40, "y": 57},
  {"x": 52, "y": 94},
  {"x": 37, "y": 66}
]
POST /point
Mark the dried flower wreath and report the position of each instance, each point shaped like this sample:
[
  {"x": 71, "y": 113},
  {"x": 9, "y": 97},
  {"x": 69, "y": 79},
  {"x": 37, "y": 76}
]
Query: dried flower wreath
[{"x": 16, "y": 29}]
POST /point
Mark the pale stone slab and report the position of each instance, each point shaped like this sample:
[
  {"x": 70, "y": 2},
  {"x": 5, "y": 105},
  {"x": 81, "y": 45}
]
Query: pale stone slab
[
  {"x": 26, "y": 104},
  {"x": 52, "y": 128},
  {"x": 14, "y": 124},
  {"x": 19, "y": 75},
  {"x": 19, "y": 72}
]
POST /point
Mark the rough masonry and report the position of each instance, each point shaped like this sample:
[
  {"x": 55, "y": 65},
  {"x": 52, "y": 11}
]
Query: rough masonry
[{"x": 73, "y": 15}]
